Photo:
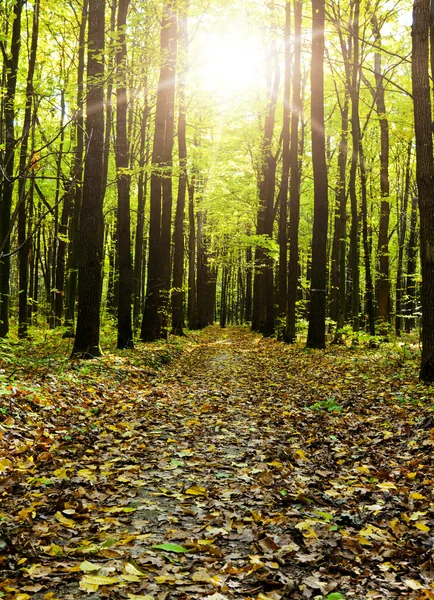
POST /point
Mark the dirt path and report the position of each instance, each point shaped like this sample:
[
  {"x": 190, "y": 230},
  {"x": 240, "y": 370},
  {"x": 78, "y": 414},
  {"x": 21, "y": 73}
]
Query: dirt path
[{"x": 270, "y": 472}]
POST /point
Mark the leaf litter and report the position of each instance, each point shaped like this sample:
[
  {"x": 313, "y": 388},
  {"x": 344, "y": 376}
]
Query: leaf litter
[{"x": 243, "y": 468}]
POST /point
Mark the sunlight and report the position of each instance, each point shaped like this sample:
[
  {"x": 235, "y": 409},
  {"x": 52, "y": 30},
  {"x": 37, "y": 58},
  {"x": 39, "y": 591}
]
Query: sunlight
[{"x": 231, "y": 61}]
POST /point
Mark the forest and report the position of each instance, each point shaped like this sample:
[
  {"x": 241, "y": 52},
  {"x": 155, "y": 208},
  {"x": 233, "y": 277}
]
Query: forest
[{"x": 216, "y": 299}]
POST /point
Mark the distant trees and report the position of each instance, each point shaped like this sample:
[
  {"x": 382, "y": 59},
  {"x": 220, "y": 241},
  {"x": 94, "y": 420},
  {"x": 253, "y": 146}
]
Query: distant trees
[{"x": 92, "y": 150}]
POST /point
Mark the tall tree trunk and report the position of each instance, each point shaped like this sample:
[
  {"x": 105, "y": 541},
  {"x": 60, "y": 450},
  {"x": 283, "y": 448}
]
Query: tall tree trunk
[
  {"x": 294, "y": 187},
  {"x": 123, "y": 179},
  {"x": 151, "y": 324},
  {"x": 7, "y": 181},
  {"x": 178, "y": 258},
  {"x": 263, "y": 299},
  {"x": 366, "y": 245},
  {"x": 339, "y": 264},
  {"x": 140, "y": 226},
  {"x": 86, "y": 344},
  {"x": 77, "y": 180},
  {"x": 410, "y": 288},
  {"x": 424, "y": 177},
  {"x": 191, "y": 306},
  {"x": 355, "y": 134},
  {"x": 166, "y": 185},
  {"x": 383, "y": 283},
  {"x": 318, "y": 293},
  {"x": 402, "y": 209},
  {"x": 286, "y": 158},
  {"x": 24, "y": 247}
]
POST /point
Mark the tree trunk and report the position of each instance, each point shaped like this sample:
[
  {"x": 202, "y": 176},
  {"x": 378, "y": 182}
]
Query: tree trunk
[
  {"x": 318, "y": 292},
  {"x": 366, "y": 245},
  {"x": 402, "y": 230},
  {"x": 355, "y": 134},
  {"x": 178, "y": 258},
  {"x": 123, "y": 179},
  {"x": 294, "y": 188},
  {"x": 25, "y": 162},
  {"x": 383, "y": 282},
  {"x": 192, "y": 309},
  {"x": 410, "y": 288},
  {"x": 86, "y": 344},
  {"x": 424, "y": 177},
  {"x": 286, "y": 158},
  {"x": 157, "y": 261},
  {"x": 74, "y": 232},
  {"x": 7, "y": 169}
]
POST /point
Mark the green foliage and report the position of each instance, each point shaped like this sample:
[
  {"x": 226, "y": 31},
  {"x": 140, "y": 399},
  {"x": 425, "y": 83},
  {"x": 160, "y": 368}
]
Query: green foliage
[{"x": 329, "y": 405}]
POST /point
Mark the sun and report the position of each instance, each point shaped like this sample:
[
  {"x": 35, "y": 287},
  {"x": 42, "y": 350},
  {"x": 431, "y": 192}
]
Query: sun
[{"x": 230, "y": 61}]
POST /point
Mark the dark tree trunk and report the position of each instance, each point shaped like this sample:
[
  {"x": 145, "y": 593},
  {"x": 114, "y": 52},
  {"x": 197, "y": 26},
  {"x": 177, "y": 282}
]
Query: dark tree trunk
[
  {"x": 383, "y": 282},
  {"x": 412, "y": 251},
  {"x": 159, "y": 242},
  {"x": 74, "y": 231},
  {"x": 178, "y": 257},
  {"x": 294, "y": 188},
  {"x": 139, "y": 259},
  {"x": 318, "y": 293},
  {"x": 86, "y": 344},
  {"x": 202, "y": 273},
  {"x": 249, "y": 285},
  {"x": 424, "y": 177},
  {"x": 192, "y": 308},
  {"x": 402, "y": 231},
  {"x": 366, "y": 245},
  {"x": 125, "y": 327},
  {"x": 355, "y": 134},
  {"x": 286, "y": 158},
  {"x": 25, "y": 161},
  {"x": 7, "y": 181},
  {"x": 338, "y": 279}
]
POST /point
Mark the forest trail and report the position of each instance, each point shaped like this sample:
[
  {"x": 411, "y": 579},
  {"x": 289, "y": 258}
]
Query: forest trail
[{"x": 243, "y": 469}]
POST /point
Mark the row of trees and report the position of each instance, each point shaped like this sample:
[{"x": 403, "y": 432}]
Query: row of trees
[{"x": 173, "y": 204}]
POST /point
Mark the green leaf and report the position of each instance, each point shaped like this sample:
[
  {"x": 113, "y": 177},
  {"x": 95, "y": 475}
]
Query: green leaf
[
  {"x": 335, "y": 596},
  {"x": 170, "y": 548}
]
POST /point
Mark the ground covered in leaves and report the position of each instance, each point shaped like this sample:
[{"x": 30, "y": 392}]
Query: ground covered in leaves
[{"x": 223, "y": 466}]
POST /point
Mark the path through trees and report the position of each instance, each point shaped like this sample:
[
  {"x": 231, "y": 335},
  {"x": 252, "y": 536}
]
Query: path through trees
[{"x": 266, "y": 470}]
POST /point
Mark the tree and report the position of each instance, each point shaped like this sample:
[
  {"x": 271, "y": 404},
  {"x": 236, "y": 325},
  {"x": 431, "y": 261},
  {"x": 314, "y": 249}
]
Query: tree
[
  {"x": 125, "y": 328},
  {"x": 318, "y": 292},
  {"x": 424, "y": 176},
  {"x": 7, "y": 163},
  {"x": 87, "y": 342}
]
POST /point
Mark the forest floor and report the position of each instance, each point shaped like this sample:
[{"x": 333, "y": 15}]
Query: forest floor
[{"x": 242, "y": 468}]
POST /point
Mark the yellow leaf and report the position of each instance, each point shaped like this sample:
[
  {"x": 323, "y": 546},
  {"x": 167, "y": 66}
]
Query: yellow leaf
[
  {"x": 417, "y": 496},
  {"x": 134, "y": 597},
  {"x": 87, "y": 474},
  {"x": 132, "y": 570},
  {"x": 64, "y": 520},
  {"x": 88, "y": 566},
  {"x": 263, "y": 597},
  {"x": 22, "y": 597},
  {"x": 99, "y": 580},
  {"x": 131, "y": 578},
  {"x": 422, "y": 526},
  {"x": 411, "y": 475},
  {"x": 386, "y": 485},
  {"x": 301, "y": 454},
  {"x": 61, "y": 473},
  {"x": 5, "y": 463},
  {"x": 22, "y": 561},
  {"x": 196, "y": 490},
  {"x": 413, "y": 584}
]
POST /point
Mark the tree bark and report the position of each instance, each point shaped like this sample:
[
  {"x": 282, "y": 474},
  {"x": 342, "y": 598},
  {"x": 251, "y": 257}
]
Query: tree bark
[
  {"x": 424, "y": 177},
  {"x": 7, "y": 183},
  {"x": 294, "y": 186},
  {"x": 318, "y": 292},
  {"x": 178, "y": 257},
  {"x": 86, "y": 344},
  {"x": 123, "y": 180}
]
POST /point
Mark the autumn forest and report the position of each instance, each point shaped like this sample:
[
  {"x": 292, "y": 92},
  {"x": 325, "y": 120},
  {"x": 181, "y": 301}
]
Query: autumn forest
[{"x": 216, "y": 299}]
